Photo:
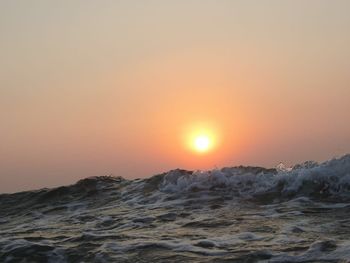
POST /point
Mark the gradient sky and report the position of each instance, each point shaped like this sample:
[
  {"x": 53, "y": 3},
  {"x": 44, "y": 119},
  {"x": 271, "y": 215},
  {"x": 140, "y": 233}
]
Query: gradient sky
[{"x": 113, "y": 87}]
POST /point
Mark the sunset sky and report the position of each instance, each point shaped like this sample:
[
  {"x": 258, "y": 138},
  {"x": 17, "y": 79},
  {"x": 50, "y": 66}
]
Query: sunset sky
[{"x": 92, "y": 88}]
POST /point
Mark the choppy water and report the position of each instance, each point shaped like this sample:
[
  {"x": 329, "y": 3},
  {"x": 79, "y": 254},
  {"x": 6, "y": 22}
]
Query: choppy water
[{"x": 240, "y": 214}]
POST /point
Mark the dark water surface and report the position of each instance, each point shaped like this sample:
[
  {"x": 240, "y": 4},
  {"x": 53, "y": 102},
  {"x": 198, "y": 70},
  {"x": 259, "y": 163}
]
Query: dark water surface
[{"x": 239, "y": 214}]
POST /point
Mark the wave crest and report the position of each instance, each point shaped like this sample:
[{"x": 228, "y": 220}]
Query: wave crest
[{"x": 328, "y": 179}]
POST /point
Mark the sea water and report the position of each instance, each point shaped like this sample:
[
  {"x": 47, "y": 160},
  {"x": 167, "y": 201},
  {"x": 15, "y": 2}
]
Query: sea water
[{"x": 238, "y": 214}]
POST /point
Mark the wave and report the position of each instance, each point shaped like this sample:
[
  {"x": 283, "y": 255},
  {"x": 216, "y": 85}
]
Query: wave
[
  {"x": 329, "y": 180},
  {"x": 233, "y": 214}
]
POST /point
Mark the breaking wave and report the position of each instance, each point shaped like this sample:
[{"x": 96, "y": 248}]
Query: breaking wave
[{"x": 330, "y": 179}]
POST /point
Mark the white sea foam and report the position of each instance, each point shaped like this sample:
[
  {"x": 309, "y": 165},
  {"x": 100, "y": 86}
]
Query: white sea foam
[{"x": 331, "y": 177}]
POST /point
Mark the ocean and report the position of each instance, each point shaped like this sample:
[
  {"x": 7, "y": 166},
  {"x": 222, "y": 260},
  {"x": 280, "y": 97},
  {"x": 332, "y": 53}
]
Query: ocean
[{"x": 233, "y": 214}]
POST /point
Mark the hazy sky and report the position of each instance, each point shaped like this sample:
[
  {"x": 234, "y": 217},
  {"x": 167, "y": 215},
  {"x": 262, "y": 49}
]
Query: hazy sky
[{"x": 114, "y": 87}]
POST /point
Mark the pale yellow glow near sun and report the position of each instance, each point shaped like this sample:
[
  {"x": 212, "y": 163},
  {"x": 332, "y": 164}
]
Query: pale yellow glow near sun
[
  {"x": 202, "y": 143},
  {"x": 201, "y": 138}
]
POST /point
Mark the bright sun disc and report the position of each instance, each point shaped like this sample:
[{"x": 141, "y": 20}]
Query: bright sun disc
[{"x": 202, "y": 143}]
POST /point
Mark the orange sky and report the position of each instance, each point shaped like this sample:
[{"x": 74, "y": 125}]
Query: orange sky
[{"x": 117, "y": 87}]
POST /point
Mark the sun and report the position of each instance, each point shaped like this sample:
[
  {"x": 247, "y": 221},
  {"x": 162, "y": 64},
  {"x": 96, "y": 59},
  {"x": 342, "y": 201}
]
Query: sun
[
  {"x": 202, "y": 143},
  {"x": 202, "y": 138}
]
